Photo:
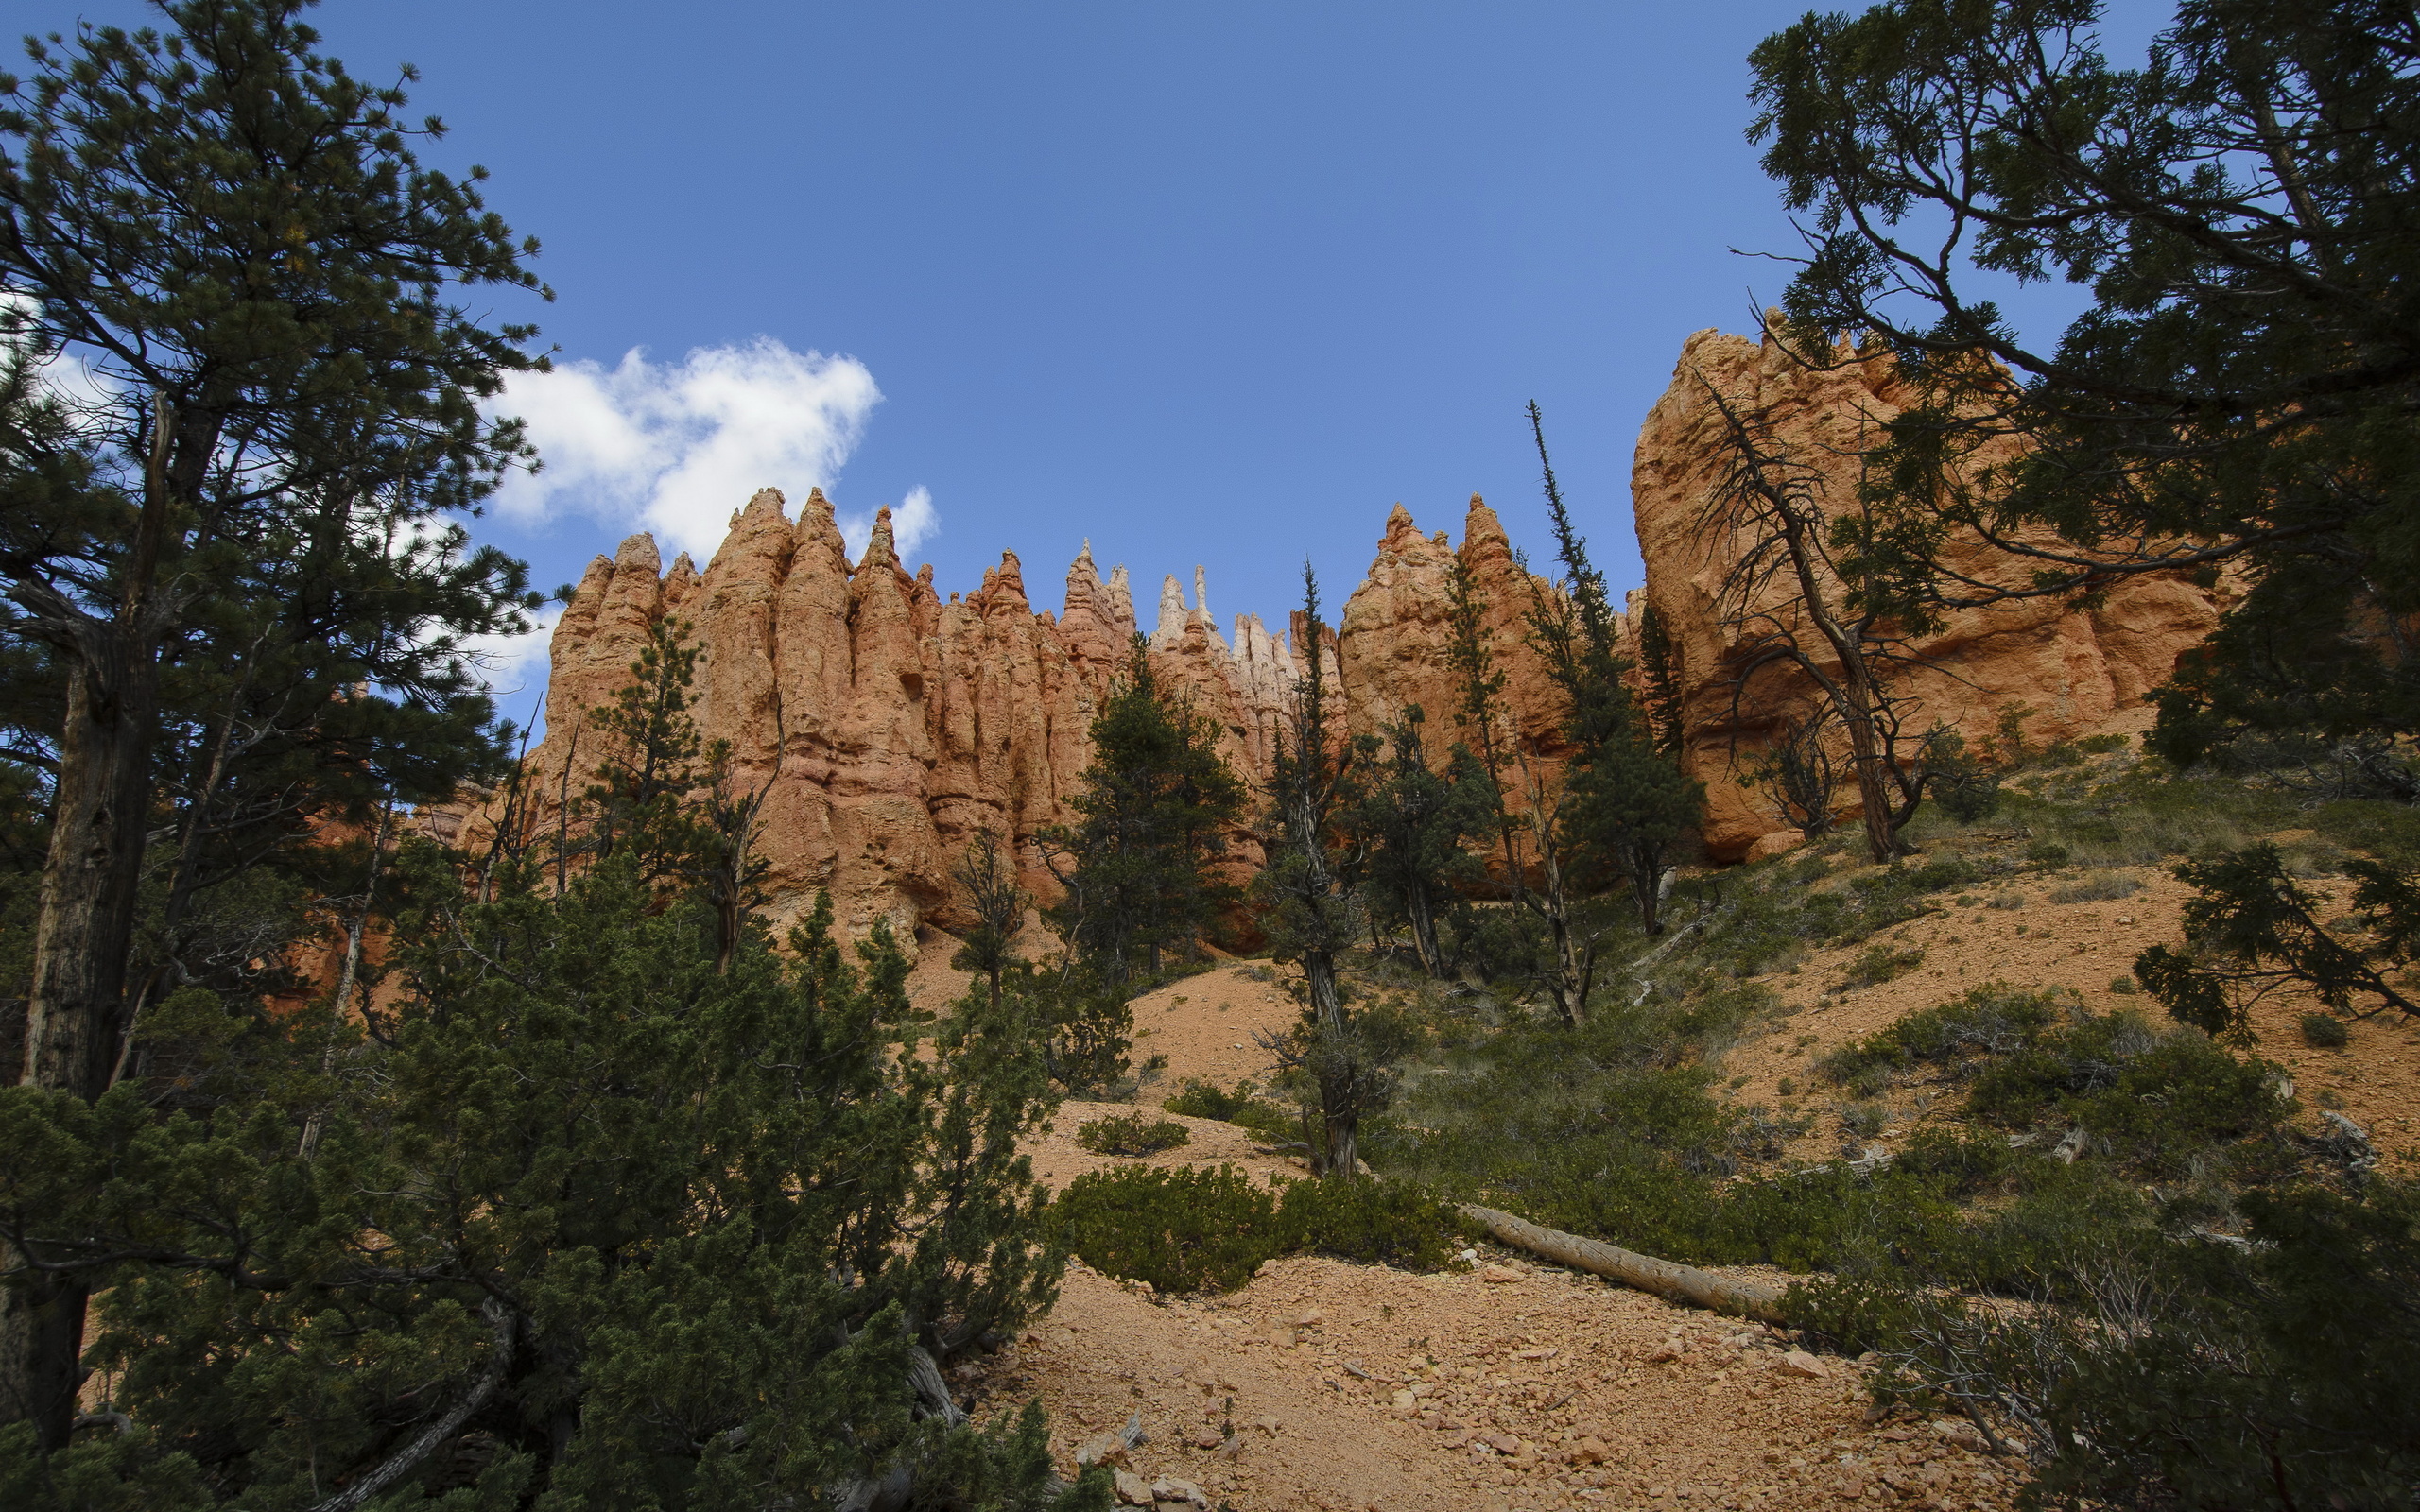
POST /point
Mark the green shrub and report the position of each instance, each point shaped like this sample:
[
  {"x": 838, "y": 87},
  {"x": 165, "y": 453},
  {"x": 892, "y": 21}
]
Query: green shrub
[
  {"x": 2124, "y": 986},
  {"x": 2180, "y": 1097},
  {"x": 2283, "y": 1372},
  {"x": 1181, "y": 1229},
  {"x": 1877, "y": 964},
  {"x": 1202, "y": 1099},
  {"x": 2047, "y": 853},
  {"x": 1188, "y": 1230},
  {"x": 1992, "y": 1020},
  {"x": 1864, "y": 1120},
  {"x": 2323, "y": 1031},
  {"x": 2051, "y": 1071},
  {"x": 1126, "y": 1134},
  {"x": 2100, "y": 744},
  {"x": 1378, "y": 1223},
  {"x": 1965, "y": 1162}
]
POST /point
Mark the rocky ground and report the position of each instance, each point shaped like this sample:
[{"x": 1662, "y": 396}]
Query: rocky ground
[
  {"x": 1513, "y": 1385},
  {"x": 2034, "y": 933},
  {"x": 1328, "y": 1386}
]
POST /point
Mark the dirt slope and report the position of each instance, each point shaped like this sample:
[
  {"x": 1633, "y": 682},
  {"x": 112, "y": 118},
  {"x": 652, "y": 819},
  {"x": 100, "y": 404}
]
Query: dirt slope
[{"x": 1530, "y": 1387}]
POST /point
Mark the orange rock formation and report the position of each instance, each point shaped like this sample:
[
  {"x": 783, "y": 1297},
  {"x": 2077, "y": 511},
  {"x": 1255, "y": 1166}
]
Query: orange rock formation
[
  {"x": 2076, "y": 665},
  {"x": 893, "y": 725}
]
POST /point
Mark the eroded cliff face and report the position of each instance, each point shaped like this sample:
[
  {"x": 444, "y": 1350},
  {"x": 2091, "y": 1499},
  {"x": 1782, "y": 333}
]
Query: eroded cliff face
[
  {"x": 888, "y": 725},
  {"x": 2076, "y": 665}
]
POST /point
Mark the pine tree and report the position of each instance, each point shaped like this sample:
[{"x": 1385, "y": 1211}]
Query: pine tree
[
  {"x": 1310, "y": 909},
  {"x": 1157, "y": 799},
  {"x": 1416, "y": 824},
  {"x": 238, "y": 561},
  {"x": 2239, "y": 215},
  {"x": 2235, "y": 396},
  {"x": 658, "y": 1224}
]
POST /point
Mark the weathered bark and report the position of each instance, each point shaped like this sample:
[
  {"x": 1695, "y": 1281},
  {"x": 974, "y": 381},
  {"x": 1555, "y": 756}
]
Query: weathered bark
[
  {"x": 1680, "y": 1283},
  {"x": 500, "y": 1325},
  {"x": 42, "y": 1343},
  {"x": 81, "y": 937},
  {"x": 86, "y": 921},
  {"x": 1423, "y": 912},
  {"x": 100, "y": 803}
]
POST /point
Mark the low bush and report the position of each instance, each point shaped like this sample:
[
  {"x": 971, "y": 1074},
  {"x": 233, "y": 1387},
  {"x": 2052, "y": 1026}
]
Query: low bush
[
  {"x": 1126, "y": 1134},
  {"x": 2180, "y": 1098},
  {"x": 1188, "y": 1230},
  {"x": 2323, "y": 1031},
  {"x": 1990, "y": 1020},
  {"x": 1377, "y": 1223},
  {"x": 2047, "y": 853},
  {"x": 1182, "y": 1229},
  {"x": 1877, "y": 964},
  {"x": 2104, "y": 889},
  {"x": 1202, "y": 1099},
  {"x": 2281, "y": 1372},
  {"x": 1863, "y": 1120}
]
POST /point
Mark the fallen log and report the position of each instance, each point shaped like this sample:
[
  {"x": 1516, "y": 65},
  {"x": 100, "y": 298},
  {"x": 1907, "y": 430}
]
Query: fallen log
[{"x": 1680, "y": 1283}]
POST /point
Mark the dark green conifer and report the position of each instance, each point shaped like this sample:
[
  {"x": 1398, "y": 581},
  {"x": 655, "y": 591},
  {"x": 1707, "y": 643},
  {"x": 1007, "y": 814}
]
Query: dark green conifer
[
  {"x": 1156, "y": 803},
  {"x": 652, "y": 1220},
  {"x": 1415, "y": 823}
]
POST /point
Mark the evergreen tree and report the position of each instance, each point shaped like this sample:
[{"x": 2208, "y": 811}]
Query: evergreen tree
[
  {"x": 2236, "y": 396},
  {"x": 1626, "y": 805},
  {"x": 2244, "y": 211},
  {"x": 1416, "y": 824},
  {"x": 999, "y": 905},
  {"x": 236, "y": 558},
  {"x": 1659, "y": 659},
  {"x": 1157, "y": 799},
  {"x": 599, "y": 1216},
  {"x": 1310, "y": 907}
]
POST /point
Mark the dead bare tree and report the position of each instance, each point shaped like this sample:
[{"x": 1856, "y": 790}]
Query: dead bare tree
[{"x": 1788, "y": 605}]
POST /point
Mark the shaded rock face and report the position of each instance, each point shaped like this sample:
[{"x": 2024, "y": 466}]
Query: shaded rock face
[{"x": 2074, "y": 665}]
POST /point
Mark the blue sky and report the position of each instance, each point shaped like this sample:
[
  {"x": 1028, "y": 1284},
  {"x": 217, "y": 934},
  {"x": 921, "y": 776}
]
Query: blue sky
[{"x": 1208, "y": 284}]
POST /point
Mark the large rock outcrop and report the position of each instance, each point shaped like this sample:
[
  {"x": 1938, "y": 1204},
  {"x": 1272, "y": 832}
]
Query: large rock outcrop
[
  {"x": 2075, "y": 664},
  {"x": 887, "y": 724}
]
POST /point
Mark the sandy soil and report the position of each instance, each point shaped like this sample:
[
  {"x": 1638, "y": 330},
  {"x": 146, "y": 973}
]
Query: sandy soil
[
  {"x": 1530, "y": 1387},
  {"x": 1517, "y": 1385},
  {"x": 2375, "y": 1081}
]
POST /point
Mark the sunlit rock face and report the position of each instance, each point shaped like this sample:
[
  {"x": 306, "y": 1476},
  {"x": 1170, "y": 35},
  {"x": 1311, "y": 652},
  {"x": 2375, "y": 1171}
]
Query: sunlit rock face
[
  {"x": 2076, "y": 665},
  {"x": 887, "y": 725}
]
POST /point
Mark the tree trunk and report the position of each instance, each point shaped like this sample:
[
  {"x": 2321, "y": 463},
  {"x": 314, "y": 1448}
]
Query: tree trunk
[
  {"x": 86, "y": 923},
  {"x": 85, "y": 926},
  {"x": 81, "y": 937},
  {"x": 1423, "y": 930},
  {"x": 41, "y": 1346},
  {"x": 1339, "y": 1064},
  {"x": 1680, "y": 1283},
  {"x": 1857, "y": 700},
  {"x": 1551, "y": 901}
]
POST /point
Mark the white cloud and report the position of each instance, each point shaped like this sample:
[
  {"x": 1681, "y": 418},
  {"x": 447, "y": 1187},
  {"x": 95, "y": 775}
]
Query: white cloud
[
  {"x": 513, "y": 663},
  {"x": 677, "y": 447},
  {"x": 913, "y": 521}
]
